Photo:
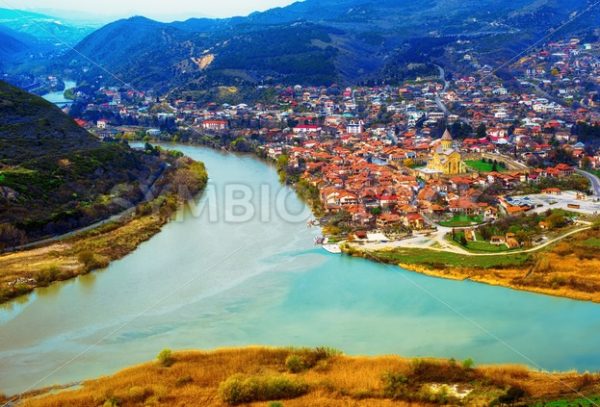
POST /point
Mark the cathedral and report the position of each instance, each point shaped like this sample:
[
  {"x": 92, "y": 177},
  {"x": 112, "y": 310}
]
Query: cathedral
[{"x": 446, "y": 159}]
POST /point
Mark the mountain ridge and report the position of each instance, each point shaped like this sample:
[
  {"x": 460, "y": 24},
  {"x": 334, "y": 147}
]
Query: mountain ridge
[
  {"x": 45, "y": 28},
  {"x": 315, "y": 42}
]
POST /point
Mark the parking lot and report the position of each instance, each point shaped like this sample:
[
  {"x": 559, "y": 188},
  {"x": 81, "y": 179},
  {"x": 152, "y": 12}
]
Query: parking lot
[{"x": 566, "y": 200}]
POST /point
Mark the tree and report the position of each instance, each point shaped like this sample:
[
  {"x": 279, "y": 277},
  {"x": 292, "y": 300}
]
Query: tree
[
  {"x": 460, "y": 130},
  {"x": 586, "y": 163},
  {"x": 481, "y": 131},
  {"x": 282, "y": 162},
  {"x": 495, "y": 166},
  {"x": 376, "y": 211},
  {"x": 557, "y": 220}
]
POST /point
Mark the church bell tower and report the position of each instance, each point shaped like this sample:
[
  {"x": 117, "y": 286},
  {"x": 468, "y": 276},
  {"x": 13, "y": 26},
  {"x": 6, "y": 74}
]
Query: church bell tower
[{"x": 447, "y": 140}]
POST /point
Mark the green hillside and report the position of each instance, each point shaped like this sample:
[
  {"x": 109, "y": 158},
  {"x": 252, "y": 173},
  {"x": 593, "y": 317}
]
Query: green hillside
[{"x": 54, "y": 175}]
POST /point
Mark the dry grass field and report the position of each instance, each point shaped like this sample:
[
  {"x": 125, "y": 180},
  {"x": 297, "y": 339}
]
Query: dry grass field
[
  {"x": 316, "y": 377},
  {"x": 570, "y": 268}
]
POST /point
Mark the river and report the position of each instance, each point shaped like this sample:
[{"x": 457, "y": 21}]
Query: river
[
  {"x": 58, "y": 97},
  {"x": 205, "y": 283}
]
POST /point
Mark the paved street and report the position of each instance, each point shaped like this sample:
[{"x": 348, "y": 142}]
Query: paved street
[{"x": 594, "y": 180}]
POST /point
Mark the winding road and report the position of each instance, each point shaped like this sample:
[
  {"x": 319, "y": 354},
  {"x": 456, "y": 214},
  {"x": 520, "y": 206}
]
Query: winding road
[
  {"x": 448, "y": 247},
  {"x": 438, "y": 99},
  {"x": 594, "y": 180},
  {"x": 129, "y": 211},
  {"x": 437, "y": 242}
]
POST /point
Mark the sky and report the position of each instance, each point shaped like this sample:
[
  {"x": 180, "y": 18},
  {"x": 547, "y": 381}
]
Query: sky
[{"x": 164, "y": 10}]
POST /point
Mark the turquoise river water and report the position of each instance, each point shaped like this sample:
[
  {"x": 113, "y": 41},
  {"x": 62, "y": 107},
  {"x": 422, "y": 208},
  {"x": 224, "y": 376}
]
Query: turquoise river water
[{"x": 205, "y": 282}]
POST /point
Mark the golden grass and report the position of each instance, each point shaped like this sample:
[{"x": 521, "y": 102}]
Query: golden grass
[
  {"x": 569, "y": 269},
  {"x": 195, "y": 377}
]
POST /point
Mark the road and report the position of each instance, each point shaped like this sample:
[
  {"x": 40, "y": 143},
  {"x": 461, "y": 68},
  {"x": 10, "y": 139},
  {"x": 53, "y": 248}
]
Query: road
[
  {"x": 114, "y": 218},
  {"x": 545, "y": 94},
  {"x": 440, "y": 240},
  {"x": 437, "y": 242},
  {"x": 594, "y": 180},
  {"x": 438, "y": 99},
  {"x": 55, "y": 239}
]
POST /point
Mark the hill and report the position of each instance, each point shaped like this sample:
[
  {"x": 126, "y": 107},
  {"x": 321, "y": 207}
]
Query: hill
[
  {"x": 45, "y": 28},
  {"x": 54, "y": 176},
  {"x": 132, "y": 49},
  {"x": 318, "y": 42},
  {"x": 318, "y": 377},
  {"x": 12, "y": 45}
]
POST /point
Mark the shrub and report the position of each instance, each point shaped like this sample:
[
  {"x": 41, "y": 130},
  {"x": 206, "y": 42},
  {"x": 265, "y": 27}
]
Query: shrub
[
  {"x": 152, "y": 401},
  {"x": 90, "y": 261},
  {"x": 512, "y": 395},
  {"x": 325, "y": 352},
  {"x": 439, "y": 396},
  {"x": 563, "y": 249},
  {"x": 585, "y": 380},
  {"x": 111, "y": 402},
  {"x": 436, "y": 371},
  {"x": 137, "y": 393},
  {"x": 239, "y": 389},
  {"x": 543, "y": 265},
  {"x": 294, "y": 364},
  {"x": 468, "y": 364},
  {"x": 165, "y": 358},
  {"x": 86, "y": 257},
  {"x": 182, "y": 381},
  {"x": 305, "y": 358},
  {"x": 47, "y": 276},
  {"x": 395, "y": 385},
  {"x": 159, "y": 392}
]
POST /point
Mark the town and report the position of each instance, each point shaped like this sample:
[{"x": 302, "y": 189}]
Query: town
[{"x": 463, "y": 162}]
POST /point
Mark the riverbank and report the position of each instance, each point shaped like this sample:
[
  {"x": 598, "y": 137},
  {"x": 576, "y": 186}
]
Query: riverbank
[
  {"x": 321, "y": 376},
  {"x": 569, "y": 268},
  {"x": 21, "y": 272},
  {"x": 564, "y": 269}
]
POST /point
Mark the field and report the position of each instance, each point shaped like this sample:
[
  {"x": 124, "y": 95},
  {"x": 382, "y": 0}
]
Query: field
[
  {"x": 477, "y": 246},
  {"x": 443, "y": 260},
  {"x": 591, "y": 242},
  {"x": 459, "y": 221},
  {"x": 484, "y": 166},
  {"x": 482, "y": 246},
  {"x": 315, "y": 377},
  {"x": 579, "y": 402}
]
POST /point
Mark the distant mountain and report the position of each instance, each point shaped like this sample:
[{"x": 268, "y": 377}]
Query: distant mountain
[
  {"x": 54, "y": 175},
  {"x": 318, "y": 41},
  {"x": 44, "y": 28},
  {"x": 13, "y": 45},
  {"x": 149, "y": 54}
]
